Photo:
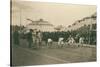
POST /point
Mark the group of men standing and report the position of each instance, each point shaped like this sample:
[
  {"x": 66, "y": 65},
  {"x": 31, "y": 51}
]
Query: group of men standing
[{"x": 33, "y": 37}]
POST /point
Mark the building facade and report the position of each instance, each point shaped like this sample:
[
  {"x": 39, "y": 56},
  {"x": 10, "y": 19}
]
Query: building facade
[
  {"x": 41, "y": 25},
  {"x": 85, "y": 21}
]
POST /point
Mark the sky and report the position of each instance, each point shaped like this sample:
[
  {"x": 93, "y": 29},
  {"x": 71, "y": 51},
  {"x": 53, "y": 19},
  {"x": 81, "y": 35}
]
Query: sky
[{"x": 55, "y": 13}]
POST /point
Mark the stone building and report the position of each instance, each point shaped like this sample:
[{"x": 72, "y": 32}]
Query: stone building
[{"x": 41, "y": 25}]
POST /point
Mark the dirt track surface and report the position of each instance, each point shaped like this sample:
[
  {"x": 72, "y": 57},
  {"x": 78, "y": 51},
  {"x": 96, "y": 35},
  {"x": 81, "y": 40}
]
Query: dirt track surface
[{"x": 23, "y": 56}]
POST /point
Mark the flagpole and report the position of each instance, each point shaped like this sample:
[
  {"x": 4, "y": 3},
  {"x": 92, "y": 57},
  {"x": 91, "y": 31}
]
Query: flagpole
[{"x": 20, "y": 19}]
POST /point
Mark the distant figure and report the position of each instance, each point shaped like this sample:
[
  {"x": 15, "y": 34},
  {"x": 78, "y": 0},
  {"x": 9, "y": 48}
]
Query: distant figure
[
  {"x": 39, "y": 38},
  {"x": 60, "y": 42},
  {"x": 29, "y": 38},
  {"x": 16, "y": 37},
  {"x": 49, "y": 42},
  {"x": 77, "y": 38},
  {"x": 34, "y": 38},
  {"x": 81, "y": 40},
  {"x": 71, "y": 40}
]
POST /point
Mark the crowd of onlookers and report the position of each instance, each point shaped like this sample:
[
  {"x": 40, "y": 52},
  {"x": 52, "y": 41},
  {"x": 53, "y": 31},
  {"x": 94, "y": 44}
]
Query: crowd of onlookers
[
  {"x": 36, "y": 37},
  {"x": 83, "y": 35}
]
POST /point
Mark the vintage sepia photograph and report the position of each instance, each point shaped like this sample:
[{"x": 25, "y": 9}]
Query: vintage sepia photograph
[{"x": 45, "y": 33}]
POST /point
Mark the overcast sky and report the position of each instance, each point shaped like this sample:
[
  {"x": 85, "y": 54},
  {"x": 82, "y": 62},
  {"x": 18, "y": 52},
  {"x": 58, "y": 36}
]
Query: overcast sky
[{"x": 55, "y": 13}]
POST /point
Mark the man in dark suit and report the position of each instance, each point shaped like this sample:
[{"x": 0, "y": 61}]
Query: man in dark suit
[{"x": 29, "y": 38}]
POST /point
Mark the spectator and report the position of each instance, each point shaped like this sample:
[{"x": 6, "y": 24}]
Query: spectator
[
  {"x": 16, "y": 37},
  {"x": 29, "y": 38},
  {"x": 38, "y": 38},
  {"x": 81, "y": 40}
]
